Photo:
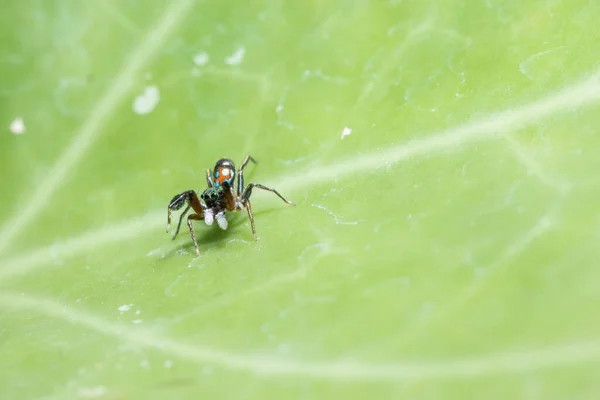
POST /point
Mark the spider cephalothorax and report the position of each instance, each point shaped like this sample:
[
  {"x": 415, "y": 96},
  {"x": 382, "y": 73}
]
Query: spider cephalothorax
[{"x": 218, "y": 199}]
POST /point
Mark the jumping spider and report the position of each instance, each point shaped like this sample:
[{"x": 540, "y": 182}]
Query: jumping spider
[{"x": 218, "y": 199}]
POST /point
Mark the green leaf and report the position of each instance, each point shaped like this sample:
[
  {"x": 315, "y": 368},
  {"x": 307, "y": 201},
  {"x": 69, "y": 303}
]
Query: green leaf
[{"x": 442, "y": 156}]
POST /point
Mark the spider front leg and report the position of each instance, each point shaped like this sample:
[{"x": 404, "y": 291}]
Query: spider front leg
[
  {"x": 246, "y": 202},
  {"x": 177, "y": 202},
  {"x": 196, "y": 217},
  {"x": 179, "y": 223}
]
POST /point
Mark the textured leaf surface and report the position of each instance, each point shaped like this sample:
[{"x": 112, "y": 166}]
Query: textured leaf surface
[{"x": 443, "y": 157}]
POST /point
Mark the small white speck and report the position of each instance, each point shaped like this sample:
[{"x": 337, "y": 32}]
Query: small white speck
[
  {"x": 201, "y": 59},
  {"x": 347, "y": 131},
  {"x": 17, "y": 127},
  {"x": 125, "y": 308},
  {"x": 225, "y": 171},
  {"x": 137, "y": 321},
  {"x": 147, "y": 101},
  {"x": 92, "y": 392},
  {"x": 78, "y": 301},
  {"x": 279, "y": 108},
  {"x": 138, "y": 312},
  {"x": 237, "y": 57},
  {"x": 168, "y": 364}
]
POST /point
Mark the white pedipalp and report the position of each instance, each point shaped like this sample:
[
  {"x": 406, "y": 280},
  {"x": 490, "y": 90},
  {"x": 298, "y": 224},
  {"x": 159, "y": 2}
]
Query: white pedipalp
[
  {"x": 222, "y": 221},
  {"x": 209, "y": 216}
]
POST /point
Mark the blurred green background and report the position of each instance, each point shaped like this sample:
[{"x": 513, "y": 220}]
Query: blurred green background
[{"x": 445, "y": 247}]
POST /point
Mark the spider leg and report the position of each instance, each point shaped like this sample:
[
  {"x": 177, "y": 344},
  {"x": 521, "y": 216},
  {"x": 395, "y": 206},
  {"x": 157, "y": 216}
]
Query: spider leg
[
  {"x": 196, "y": 217},
  {"x": 248, "y": 192},
  {"x": 175, "y": 204},
  {"x": 209, "y": 180},
  {"x": 246, "y": 202},
  {"x": 181, "y": 219},
  {"x": 178, "y": 201},
  {"x": 240, "y": 187},
  {"x": 251, "y": 217}
]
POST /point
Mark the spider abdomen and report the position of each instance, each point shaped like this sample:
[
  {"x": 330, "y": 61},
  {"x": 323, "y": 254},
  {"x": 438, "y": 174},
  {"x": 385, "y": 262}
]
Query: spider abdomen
[{"x": 224, "y": 171}]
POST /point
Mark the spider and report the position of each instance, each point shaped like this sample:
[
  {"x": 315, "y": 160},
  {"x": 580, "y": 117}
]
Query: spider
[{"x": 218, "y": 199}]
